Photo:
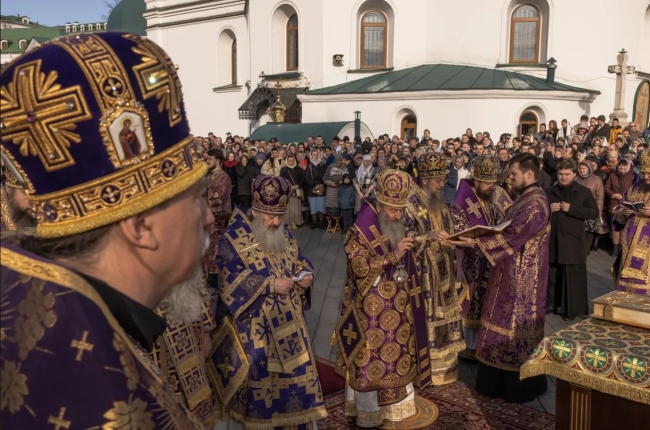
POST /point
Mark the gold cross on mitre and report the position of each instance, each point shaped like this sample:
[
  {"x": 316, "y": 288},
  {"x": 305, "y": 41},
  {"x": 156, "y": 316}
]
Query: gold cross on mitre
[
  {"x": 82, "y": 345},
  {"x": 59, "y": 422}
]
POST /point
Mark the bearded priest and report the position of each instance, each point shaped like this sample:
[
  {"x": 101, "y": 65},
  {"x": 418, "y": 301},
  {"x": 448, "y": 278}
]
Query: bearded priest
[
  {"x": 514, "y": 307},
  {"x": 265, "y": 367},
  {"x": 631, "y": 262},
  {"x": 15, "y": 212},
  {"x": 478, "y": 201},
  {"x": 428, "y": 220},
  {"x": 382, "y": 301}
]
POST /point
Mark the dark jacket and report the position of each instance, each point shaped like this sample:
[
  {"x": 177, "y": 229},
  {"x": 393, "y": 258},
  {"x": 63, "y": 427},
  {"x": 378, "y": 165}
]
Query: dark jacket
[
  {"x": 314, "y": 176},
  {"x": 567, "y": 244},
  {"x": 450, "y": 184},
  {"x": 347, "y": 196},
  {"x": 544, "y": 179},
  {"x": 295, "y": 175},
  {"x": 603, "y": 131},
  {"x": 244, "y": 179}
]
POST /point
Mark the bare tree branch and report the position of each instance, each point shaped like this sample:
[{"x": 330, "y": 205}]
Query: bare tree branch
[{"x": 110, "y": 5}]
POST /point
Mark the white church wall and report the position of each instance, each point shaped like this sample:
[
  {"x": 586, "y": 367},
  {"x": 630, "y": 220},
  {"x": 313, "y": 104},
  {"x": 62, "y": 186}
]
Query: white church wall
[{"x": 445, "y": 118}]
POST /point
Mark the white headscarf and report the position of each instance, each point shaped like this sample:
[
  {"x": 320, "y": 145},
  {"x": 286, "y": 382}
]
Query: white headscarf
[{"x": 362, "y": 171}]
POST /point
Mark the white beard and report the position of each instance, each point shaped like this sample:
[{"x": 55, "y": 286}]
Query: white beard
[
  {"x": 394, "y": 231},
  {"x": 184, "y": 302},
  {"x": 271, "y": 241}
]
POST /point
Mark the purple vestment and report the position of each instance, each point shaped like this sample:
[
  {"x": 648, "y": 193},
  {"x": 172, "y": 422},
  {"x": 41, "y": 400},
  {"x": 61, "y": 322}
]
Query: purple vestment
[
  {"x": 375, "y": 333},
  {"x": 513, "y": 315},
  {"x": 67, "y": 363},
  {"x": 631, "y": 267},
  {"x": 467, "y": 210}
]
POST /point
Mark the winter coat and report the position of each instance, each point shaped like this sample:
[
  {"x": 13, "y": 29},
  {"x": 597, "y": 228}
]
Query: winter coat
[
  {"x": 450, "y": 185},
  {"x": 618, "y": 184},
  {"x": 594, "y": 183},
  {"x": 244, "y": 179},
  {"x": 295, "y": 175},
  {"x": 314, "y": 176},
  {"x": 347, "y": 196}
]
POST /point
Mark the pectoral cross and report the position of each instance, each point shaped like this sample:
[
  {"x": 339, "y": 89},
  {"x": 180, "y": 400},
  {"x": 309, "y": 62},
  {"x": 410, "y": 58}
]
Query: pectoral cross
[
  {"x": 621, "y": 69},
  {"x": 248, "y": 245},
  {"x": 226, "y": 368},
  {"x": 350, "y": 334},
  {"x": 59, "y": 422},
  {"x": 415, "y": 292},
  {"x": 82, "y": 345},
  {"x": 474, "y": 208},
  {"x": 423, "y": 212}
]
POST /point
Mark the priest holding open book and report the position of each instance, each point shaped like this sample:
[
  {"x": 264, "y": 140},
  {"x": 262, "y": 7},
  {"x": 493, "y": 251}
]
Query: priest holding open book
[
  {"x": 631, "y": 266},
  {"x": 478, "y": 202},
  {"x": 513, "y": 314}
]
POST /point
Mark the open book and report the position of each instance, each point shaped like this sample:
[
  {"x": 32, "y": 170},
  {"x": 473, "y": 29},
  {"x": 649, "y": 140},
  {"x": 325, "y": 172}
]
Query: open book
[
  {"x": 634, "y": 206},
  {"x": 479, "y": 231}
]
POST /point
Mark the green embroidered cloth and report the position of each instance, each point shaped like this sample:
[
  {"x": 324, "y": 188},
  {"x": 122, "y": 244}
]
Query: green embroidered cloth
[{"x": 602, "y": 355}]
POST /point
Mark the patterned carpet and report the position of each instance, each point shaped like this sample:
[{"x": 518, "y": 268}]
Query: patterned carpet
[{"x": 459, "y": 409}]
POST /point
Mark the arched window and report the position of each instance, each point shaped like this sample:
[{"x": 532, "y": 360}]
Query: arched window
[
  {"x": 22, "y": 44},
  {"x": 292, "y": 43},
  {"x": 233, "y": 62},
  {"x": 528, "y": 123},
  {"x": 3, "y": 44},
  {"x": 409, "y": 127},
  {"x": 67, "y": 28},
  {"x": 374, "y": 34},
  {"x": 83, "y": 27},
  {"x": 525, "y": 34}
]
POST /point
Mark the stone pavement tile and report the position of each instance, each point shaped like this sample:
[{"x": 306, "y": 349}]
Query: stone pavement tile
[
  {"x": 311, "y": 318},
  {"x": 467, "y": 377},
  {"x": 334, "y": 292},
  {"x": 331, "y": 304},
  {"x": 535, "y": 404},
  {"x": 317, "y": 297},
  {"x": 548, "y": 401},
  {"x": 551, "y": 383}
]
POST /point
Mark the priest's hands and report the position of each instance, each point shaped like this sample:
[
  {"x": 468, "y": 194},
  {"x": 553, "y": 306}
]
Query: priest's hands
[
  {"x": 305, "y": 282},
  {"x": 645, "y": 211},
  {"x": 628, "y": 212},
  {"x": 439, "y": 235},
  {"x": 283, "y": 286},
  {"x": 405, "y": 244},
  {"x": 463, "y": 242}
]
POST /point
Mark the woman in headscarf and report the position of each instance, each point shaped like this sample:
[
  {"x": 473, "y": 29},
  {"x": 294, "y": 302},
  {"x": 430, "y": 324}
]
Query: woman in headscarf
[
  {"x": 587, "y": 178},
  {"x": 260, "y": 158},
  {"x": 230, "y": 166},
  {"x": 316, "y": 188},
  {"x": 364, "y": 181},
  {"x": 294, "y": 174},
  {"x": 332, "y": 178},
  {"x": 615, "y": 188}
]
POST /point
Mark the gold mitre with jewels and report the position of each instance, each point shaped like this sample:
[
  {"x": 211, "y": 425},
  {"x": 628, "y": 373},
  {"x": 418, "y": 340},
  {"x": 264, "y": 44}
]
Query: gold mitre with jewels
[
  {"x": 393, "y": 188},
  {"x": 433, "y": 165},
  {"x": 485, "y": 168},
  {"x": 95, "y": 127},
  {"x": 644, "y": 161}
]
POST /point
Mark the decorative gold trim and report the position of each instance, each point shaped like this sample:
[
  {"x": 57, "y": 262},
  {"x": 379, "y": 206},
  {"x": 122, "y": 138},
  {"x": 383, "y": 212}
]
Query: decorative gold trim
[
  {"x": 573, "y": 376},
  {"x": 138, "y": 188},
  {"x": 281, "y": 420}
]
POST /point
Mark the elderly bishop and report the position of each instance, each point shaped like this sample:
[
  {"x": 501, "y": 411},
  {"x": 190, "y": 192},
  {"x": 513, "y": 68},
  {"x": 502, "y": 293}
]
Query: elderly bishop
[
  {"x": 15, "y": 212},
  {"x": 631, "y": 267},
  {"x": 266, "y": 372},
  {"x": 478, "y": 201},
  {"x": 382, "y": 302},
  {"x": 428, "y": 220}
]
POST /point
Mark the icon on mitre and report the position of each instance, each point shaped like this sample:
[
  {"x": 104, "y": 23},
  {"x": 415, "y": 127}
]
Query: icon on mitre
[{"x": 127, "y": 136}]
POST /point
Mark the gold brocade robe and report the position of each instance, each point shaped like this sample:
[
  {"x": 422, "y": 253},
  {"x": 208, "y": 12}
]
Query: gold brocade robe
[
  {"x": 6, "y": 223},
  {"x": 179, "y": 354},
  {"x": 443, "y": 294}
]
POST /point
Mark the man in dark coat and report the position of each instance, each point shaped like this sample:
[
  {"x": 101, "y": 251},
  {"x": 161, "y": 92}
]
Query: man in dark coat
[
  {"x": 602, "y": 129},
  {"x": 571, "y": 205}
]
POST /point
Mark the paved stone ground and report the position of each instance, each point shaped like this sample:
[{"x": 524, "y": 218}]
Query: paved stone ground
[{"x": 325, "y": 250}]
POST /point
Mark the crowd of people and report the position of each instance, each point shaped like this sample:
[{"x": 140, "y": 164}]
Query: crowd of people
[{"x": 162, "y": 288}]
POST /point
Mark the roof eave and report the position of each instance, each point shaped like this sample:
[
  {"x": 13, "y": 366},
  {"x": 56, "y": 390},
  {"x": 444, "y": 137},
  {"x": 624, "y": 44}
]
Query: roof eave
[{"x": 587, "y": 95}]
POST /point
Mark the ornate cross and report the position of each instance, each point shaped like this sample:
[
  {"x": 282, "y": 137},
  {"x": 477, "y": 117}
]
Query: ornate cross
[
  {"x": 82, "y": 345},
  {"x": 41, "y": 117},
  {"x": 595, "y": 357},
  {"x": 415, "y": 292},
  {"x": 248, "y": 244},
  {"x": 634, "y": 366},
  {"x": 423, "y": 212},
  {"x": 59, "y": 422},
  {"x": 350, "y": 334},
  {"x": 225, "y": 367},
  {"x": 473, "y": 208},
  {"x": 621, "y": 69},
  {"x": 563, "y": 349}
]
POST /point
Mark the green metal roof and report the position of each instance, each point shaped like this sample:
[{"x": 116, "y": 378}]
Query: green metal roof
[
  {"x": 452, "y": 77},
  {"x": 127, "y": 17},
  {"x": 288, "y": 133},
  {"x": 15, "y": 35}
]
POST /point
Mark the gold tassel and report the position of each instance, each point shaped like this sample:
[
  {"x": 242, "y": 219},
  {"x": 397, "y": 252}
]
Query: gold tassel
[
  {"x": 347, "y": 378},
  {"x": 333, "y": 338}
]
